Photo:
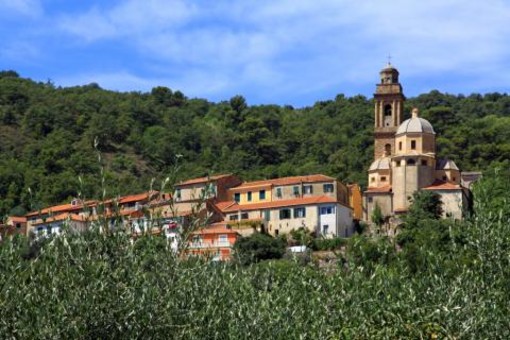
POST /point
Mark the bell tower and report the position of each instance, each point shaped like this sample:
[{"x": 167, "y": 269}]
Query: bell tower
[{"x": 389, "y": 106}]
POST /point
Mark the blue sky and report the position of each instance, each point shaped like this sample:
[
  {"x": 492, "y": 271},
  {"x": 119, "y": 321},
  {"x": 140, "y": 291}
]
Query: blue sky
[{"x": 270, "y": 51}]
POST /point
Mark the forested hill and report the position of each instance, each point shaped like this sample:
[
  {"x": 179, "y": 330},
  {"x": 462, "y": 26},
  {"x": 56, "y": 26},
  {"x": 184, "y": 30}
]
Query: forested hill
[{"x": 47, "y": 138}]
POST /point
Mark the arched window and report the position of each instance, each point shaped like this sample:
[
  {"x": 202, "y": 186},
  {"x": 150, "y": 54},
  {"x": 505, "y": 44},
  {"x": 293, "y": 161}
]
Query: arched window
[
  {"x": 411, "y": 161},
  {"x": 387, "y": 110},
  {"x": 387, "y": 148},
  {"x": 388, "y": 114}
]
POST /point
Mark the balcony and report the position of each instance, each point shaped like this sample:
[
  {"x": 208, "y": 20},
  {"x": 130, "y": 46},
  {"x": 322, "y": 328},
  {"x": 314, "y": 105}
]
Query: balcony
[{"x": 205, "y": 245}]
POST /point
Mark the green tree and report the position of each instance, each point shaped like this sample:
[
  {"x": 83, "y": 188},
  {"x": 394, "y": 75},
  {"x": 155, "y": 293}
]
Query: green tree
[{"x": 258, "y": 247}]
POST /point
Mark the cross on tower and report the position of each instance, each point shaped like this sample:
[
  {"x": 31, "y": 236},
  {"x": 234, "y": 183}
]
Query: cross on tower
[{"x": 389, "y": 59}]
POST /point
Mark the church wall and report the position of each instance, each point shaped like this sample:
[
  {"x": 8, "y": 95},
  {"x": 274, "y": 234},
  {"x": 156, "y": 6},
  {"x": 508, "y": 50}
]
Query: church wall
[
  {"x": 453, "y": 203},
  {"x": 452, "y": 176},
  {"x": 384, "y": 200},
  {"x": 426, "y": 174},
  {"x": 380, "y": 145},
  {"x": 376, "y": 178},
  {"x": 398, "y": 180},
  {"x": 425, "y": 143},
  {"x": 411, "y": 182}
]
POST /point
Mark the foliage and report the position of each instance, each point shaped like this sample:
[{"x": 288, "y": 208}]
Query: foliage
[
  {"x": 48, "y": 132},
  {"x": 425, "y": 204},
  {"x": 258, "y": 247},
  {"x": 94, "y": 285},
  {"x": 328, "y": 243},
  {"x": 377, "y": 216}
]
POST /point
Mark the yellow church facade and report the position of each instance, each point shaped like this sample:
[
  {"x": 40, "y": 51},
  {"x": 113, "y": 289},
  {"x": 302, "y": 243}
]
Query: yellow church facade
[{"x": 405, "y": 158}]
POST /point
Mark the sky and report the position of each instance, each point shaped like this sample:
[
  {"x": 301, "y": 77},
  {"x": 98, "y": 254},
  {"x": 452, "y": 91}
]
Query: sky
[{"x": 285, "y": 52}]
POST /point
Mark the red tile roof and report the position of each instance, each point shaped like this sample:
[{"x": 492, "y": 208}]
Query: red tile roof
[
  {"x": 18, "y": 219},
  {"x": 287, "y": 181},
  {"x": 137, "y": 197},
  {"x": 202, "y": 179},
  {"x": 281, "y": 203},
  {"x": 220, "y": 229},
  {"x": 62, "y": 217},
  {"x": 386, "y": 188},
  {"x": 61, "y": 208},
  {"x": 442, "y": 185}
]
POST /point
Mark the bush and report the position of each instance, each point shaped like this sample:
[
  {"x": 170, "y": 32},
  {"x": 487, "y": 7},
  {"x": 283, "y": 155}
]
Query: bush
[
  {"x": 257, "y": 247},
  {"x": 328, "y": 243}
]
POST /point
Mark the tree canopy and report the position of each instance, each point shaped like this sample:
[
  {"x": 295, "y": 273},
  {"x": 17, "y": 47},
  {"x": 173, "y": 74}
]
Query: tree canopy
[{"x": 48, "y": 136}]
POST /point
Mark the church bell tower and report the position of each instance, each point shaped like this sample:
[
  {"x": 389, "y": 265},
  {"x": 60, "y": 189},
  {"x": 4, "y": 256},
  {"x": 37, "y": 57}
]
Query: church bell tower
[{"x": 389, "y": 106}]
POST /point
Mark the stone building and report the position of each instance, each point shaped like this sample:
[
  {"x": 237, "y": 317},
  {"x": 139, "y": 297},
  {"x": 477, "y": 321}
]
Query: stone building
[{"x": 405, "y": 158}]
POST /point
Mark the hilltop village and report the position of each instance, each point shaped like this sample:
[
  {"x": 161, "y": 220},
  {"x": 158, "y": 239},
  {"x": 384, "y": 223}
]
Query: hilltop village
[{"x": 404, "y": 162}]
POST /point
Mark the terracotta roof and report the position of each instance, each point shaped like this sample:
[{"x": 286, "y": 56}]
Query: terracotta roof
[
  {"x": 281, "y": 203},
  {"x": 62, "y": 217},
  {"x": 287, "y": 181},
  {"x": 137, "y": 197},
  {"x": 224, "y": 205},
  {"x": 18, "y": 219},
  {"x": 214, "y": 230},
  {"x": 442, "y": 185},
  {"x": 202, "y": 179},
  {"x": 386, "y": 188},
  {"x": 61, "y": 208}
]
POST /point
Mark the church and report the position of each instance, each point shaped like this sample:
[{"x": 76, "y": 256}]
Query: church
[{"x": 405, "y": 158}]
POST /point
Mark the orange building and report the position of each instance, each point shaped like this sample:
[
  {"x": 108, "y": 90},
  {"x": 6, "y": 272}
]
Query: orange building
[{"x": 216, "y": 242}]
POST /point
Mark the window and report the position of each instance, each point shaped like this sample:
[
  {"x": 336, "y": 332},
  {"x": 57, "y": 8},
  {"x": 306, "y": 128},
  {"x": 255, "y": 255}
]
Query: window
[
  {"x": 223, "y": 238},
  {"x": 411, "y": 161},
  {"x": 248, "y": 194},
  {"x": 397, "y": 163},
  {"x": 372, "y": 179},
  {"x": 387, "y": 110},
  {"x": 327, "y": 210},
  {"x": 413, "y": 145},
  {"x": 267, "y": 215},
  {"x": 328, "y": 187},
  {"x": 233, "y": 217},
  {"x": 383, "y": 179},
  {"x": 262, "y": 195},
  {"x": 453, "y": 179},
  {"x": 445, "y": 178},
  {"x": 18, "y": 225},
  {"x": 244, "y": 216},
  {"x": 279, "y": 192},
  {"x": 299, "y": 212},
  {"x": 325, "y": 229},
  {"x": 295, "y": 190},
  {"x": 387, "y": 149},
  {"x": 370, "y": 199},
  {"x": 284, "y": 214},
  {"x": 237, "y": 197},
  {"x": 424, "y": 162},
  {"x": 178, "y": 194},
  {"x": 307, "y": 189},
  {"x": 400, "y": 145},
  {"x": 197, "y": 240}
]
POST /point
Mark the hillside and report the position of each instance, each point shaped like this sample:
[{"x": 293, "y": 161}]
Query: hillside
[{"x": 48, "y": 136}]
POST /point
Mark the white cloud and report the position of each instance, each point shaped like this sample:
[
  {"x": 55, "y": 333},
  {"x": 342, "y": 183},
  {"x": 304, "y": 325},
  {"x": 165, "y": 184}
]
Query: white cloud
[
  {"x": 302, "y": 46},
  {"x": 31, "y": 8}
]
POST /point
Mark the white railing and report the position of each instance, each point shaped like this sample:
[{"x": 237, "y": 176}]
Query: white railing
[{"x": 201, "y": 245}]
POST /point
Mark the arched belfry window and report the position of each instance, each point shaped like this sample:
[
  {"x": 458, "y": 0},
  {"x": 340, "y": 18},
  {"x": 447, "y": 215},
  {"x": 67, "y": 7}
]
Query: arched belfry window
[
  {"x": 411, "y": 161},
  {"x": 388, "y": 113}
]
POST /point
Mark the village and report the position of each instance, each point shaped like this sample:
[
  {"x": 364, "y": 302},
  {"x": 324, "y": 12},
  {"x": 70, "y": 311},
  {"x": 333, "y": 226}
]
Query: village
[{"x": 209, "y": 214}]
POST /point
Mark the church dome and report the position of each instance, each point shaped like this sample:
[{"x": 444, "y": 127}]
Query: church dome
[
  {"x": 415, "y": 124},
  {"x": 382, "y": 163}
]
